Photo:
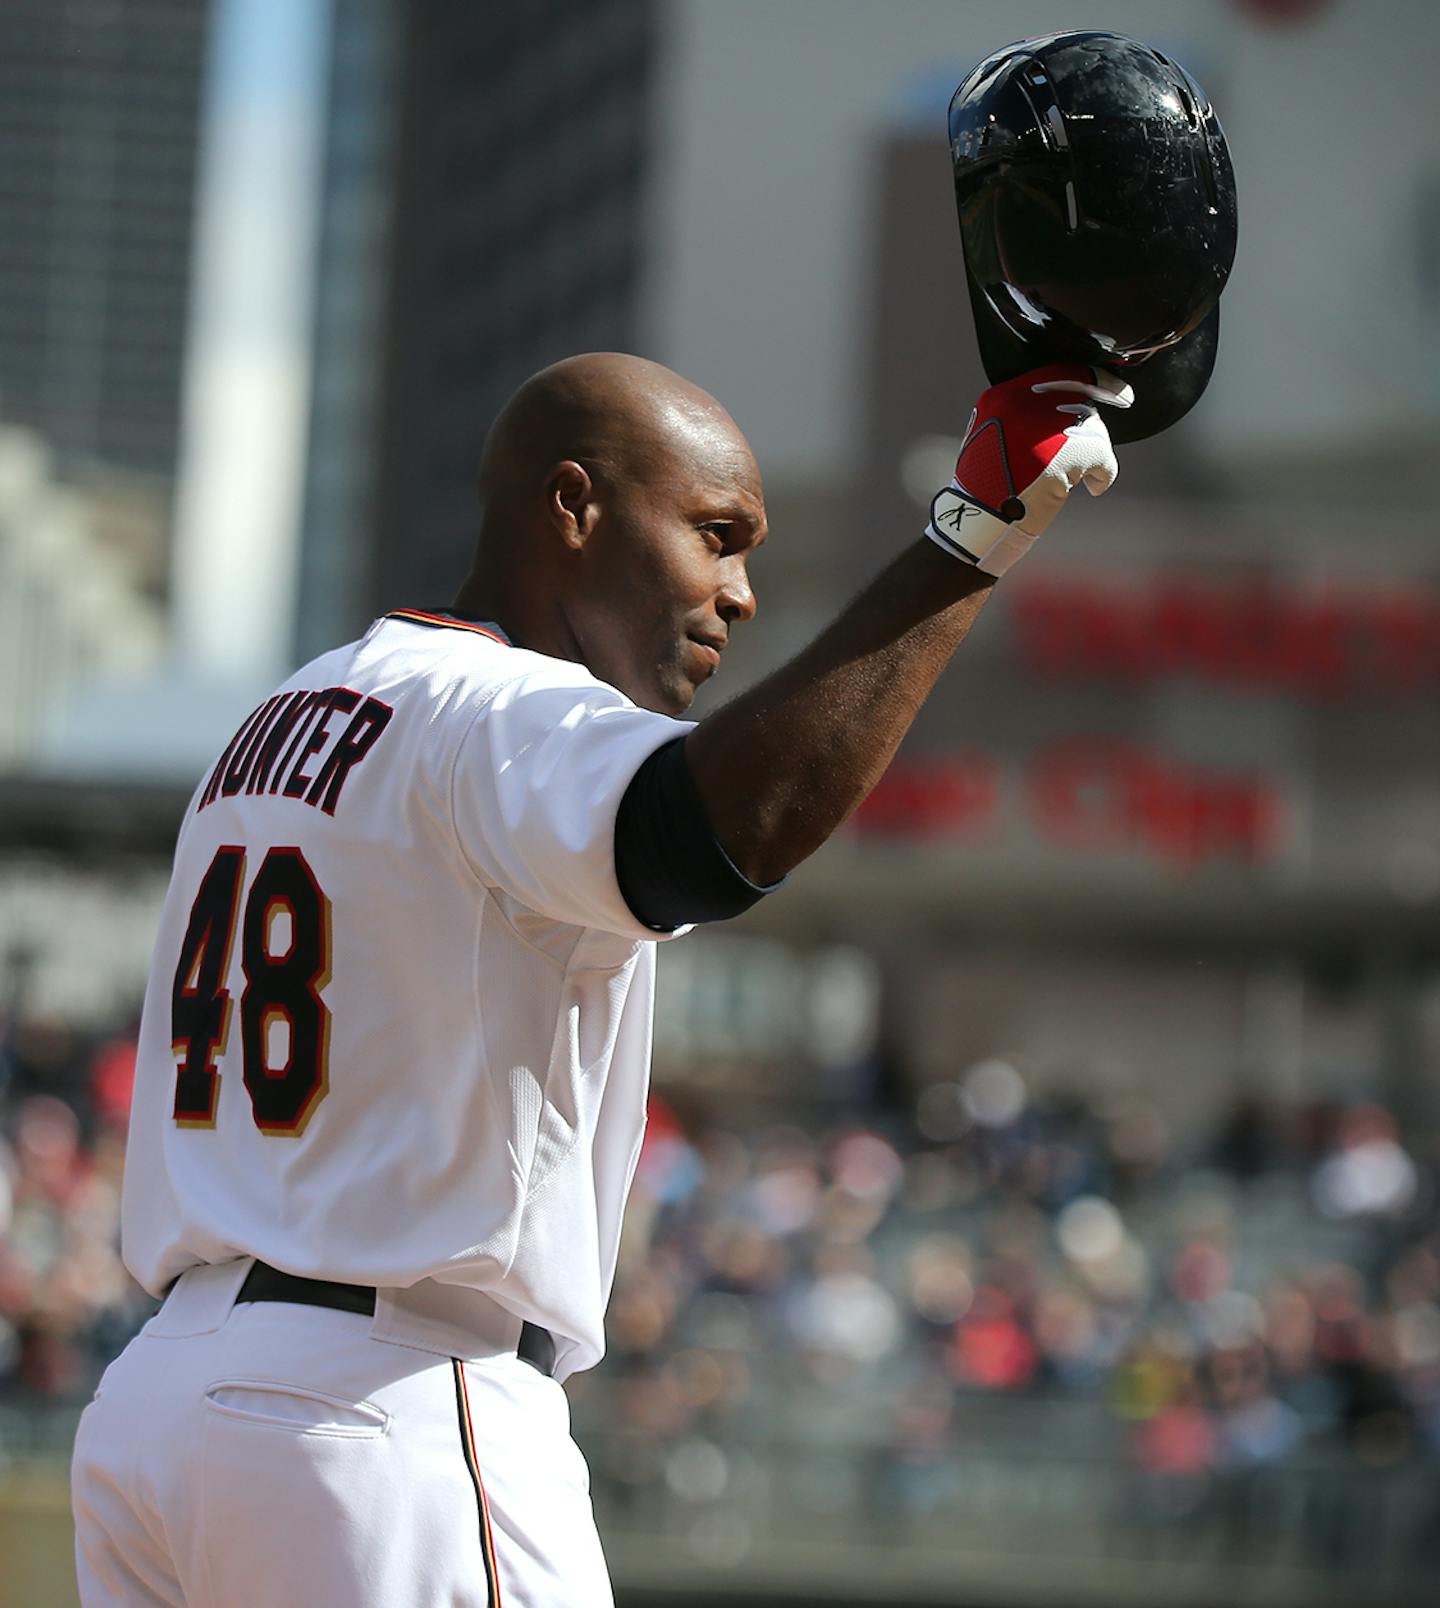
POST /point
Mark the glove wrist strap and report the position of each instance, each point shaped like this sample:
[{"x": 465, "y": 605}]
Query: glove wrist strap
[{"x": 969, "y": 531}]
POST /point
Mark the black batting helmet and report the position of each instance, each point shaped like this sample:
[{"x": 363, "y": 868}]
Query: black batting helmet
[{"x": 1097, "y": 217}]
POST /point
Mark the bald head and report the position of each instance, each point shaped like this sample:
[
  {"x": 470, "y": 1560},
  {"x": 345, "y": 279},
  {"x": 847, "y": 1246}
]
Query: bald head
[{"x": 623, "y": 415}]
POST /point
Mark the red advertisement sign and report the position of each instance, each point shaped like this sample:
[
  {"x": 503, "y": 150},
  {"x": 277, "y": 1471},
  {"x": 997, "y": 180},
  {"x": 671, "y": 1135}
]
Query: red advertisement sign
[
  {"x": 1091, "y": 796},
  {"x": 1331, "y": 645}
]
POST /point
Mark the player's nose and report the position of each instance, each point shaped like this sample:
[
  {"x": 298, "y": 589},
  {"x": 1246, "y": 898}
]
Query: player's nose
[{"x": 735, "y": 601}]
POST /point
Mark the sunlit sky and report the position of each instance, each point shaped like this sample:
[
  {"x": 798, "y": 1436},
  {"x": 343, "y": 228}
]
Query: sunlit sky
[{"x": 246, "y": 385}]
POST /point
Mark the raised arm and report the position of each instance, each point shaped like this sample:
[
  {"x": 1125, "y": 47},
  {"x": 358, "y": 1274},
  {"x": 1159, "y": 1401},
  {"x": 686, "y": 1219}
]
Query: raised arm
[{"x": 780, "y": 767}]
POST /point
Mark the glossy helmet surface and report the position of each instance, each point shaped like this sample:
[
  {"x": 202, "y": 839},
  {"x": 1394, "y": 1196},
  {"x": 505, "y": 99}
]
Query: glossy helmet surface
[{"x": 1097, "y": 217}]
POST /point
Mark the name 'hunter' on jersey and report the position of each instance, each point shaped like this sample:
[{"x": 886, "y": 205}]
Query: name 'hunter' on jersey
[{"x": 277, "y": 750}]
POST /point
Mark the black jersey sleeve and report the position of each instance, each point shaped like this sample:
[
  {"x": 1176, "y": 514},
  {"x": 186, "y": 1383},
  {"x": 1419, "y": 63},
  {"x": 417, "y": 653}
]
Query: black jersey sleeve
[{"x": 671, "y": 868}]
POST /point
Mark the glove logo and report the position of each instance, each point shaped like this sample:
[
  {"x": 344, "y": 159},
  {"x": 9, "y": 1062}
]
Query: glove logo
[{"x": 949, "y": 509}]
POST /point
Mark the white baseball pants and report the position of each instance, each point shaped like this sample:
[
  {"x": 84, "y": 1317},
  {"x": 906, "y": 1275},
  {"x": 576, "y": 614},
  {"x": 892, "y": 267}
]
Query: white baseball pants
[{"x": 268, "y": 1455}]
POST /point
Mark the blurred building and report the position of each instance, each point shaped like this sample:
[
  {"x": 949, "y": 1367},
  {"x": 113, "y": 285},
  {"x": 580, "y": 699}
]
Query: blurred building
[
  {"x": 99, "y": 122},
  {"x": 516, "y": 238},
  {"x": 481, "y": 198},
  {"x": 99, "y": 113},
  {"x": 75, "y": 599}
]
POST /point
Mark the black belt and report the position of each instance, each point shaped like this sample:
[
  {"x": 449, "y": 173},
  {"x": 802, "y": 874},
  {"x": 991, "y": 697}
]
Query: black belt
[{"x": 266, "y": 1283}]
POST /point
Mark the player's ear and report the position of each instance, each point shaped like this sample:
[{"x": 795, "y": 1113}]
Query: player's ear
[{"x": 571, "y": 502}]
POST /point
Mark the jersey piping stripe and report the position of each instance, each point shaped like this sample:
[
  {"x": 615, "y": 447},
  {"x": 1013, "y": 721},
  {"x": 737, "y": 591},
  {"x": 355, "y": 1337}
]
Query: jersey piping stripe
[
  {"x": 420, "y": 617},
  {"x": 467, "y": 1441}
]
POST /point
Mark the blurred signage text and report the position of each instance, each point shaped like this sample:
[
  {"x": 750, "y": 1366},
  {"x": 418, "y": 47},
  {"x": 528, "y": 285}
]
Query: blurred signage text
[
  {"x": 1330, "y": 645},
  {"x": 1090, "y": 796}
]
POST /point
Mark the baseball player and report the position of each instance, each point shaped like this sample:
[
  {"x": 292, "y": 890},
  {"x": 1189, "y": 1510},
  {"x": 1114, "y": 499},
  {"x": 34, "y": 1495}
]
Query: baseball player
[{"x": 393, "y": 1062}]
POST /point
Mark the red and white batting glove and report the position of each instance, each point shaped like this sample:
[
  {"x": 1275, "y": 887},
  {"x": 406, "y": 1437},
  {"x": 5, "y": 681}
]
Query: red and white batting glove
[{"x": 1024, "y": 452}]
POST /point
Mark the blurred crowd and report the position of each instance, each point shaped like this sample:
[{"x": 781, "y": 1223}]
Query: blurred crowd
[
  {"x": 994, "y": 1292},
  {"x": 66, "y": 1302},
  {"x": 890, "y": 1299}
]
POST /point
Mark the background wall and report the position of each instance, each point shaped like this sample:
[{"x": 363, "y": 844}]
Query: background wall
[{"x": 764, "y": 206}]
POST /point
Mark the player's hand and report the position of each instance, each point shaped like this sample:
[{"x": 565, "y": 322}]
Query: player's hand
[{"x": 1029, "y": 443}]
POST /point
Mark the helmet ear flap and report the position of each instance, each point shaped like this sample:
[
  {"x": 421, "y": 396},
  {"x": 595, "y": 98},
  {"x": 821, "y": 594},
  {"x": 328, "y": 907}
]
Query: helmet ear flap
[{"x": 1097, "y": 217}]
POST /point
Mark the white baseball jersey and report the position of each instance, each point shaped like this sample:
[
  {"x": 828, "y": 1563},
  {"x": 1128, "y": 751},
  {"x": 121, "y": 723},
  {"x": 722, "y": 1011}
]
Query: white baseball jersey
[{"x": 398, "y": 1021}]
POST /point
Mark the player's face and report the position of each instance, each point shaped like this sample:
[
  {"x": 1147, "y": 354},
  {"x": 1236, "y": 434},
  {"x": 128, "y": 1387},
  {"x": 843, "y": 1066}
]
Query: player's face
[{"x": 669, "y": 569}]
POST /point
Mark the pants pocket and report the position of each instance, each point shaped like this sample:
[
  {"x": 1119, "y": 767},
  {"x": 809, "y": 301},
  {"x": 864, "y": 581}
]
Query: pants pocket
[{"x": 276, "y": 1404}]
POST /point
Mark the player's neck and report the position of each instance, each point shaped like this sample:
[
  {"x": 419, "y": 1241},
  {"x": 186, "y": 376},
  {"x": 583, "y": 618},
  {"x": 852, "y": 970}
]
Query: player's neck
[
  {"x": 528, "y": 623},
  {"x": 481, "y": 599}
]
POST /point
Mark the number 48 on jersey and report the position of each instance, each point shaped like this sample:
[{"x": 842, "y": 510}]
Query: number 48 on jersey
[{"x": 285, "y": 962}]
